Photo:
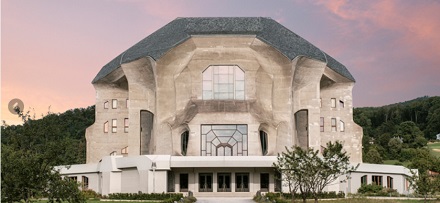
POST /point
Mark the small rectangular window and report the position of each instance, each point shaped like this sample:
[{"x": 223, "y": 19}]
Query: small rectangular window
[
  {"x": 341, "y": 104},
  {"x": 389, "y": 182},
  {"x": 106, "y": 127},
  {"x": 321, "y": 124},
  {"x": 183, "y": 182},
  {"x": 127, "y": 103},
  {"x": 114, "y": 103},
  {"x": 341, "y": 126},
  {"x": 124, "y": 150},
  {"x": 264, "y": 182},
  {"x": 114, "y": 126},
  {"x": 125, "y": 125},
  {"x": 73, "y": 178},
  {"x": 364, "y": 180},
  {"x": 376, "y": 180},
  {"x": 333, "y": 102},
  {"x": 333, "y": 124},
  {"x": 106, "y": 105},
  {"x": 85, "y": 183}
]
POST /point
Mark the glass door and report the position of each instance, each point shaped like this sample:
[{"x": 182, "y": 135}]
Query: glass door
[
  {"x": 224, "y": 182},
  {"x": 242, "y": 182},
  {"x": 205, "y": 182}
]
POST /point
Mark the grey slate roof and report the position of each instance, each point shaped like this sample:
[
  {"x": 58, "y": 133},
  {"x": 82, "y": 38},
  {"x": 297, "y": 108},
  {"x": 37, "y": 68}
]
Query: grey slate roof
[{"x": 267, "y": 30}]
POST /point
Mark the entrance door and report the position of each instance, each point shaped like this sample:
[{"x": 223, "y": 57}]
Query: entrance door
[
  {"x": 224, "y": 182},
  {"x": 264, "y": 182},
  {"x": 205, "y": 182},
  {"x": 242, "y": 182}
]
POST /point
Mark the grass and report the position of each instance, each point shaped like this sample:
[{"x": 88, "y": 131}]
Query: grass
[
  {"x": 435, "y": 148},
  {"x": 365, "y": 200},
  {"x": 394, "y": 162}
]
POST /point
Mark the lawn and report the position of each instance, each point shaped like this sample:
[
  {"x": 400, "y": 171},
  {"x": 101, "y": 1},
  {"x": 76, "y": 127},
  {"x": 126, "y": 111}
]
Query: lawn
[
  {"x": 394, "y": 161},
  {"x": 435, "y": 148}
]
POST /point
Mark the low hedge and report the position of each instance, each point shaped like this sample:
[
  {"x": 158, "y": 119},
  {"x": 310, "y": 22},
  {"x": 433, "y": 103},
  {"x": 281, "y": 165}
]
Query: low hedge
[
  {"x": 167, "y": 197},
  {"x": 322, "y": 195}
]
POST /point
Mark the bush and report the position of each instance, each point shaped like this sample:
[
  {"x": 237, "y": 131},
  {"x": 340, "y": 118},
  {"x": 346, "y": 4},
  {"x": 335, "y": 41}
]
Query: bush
[
  {"x": 377, "y": 190},
  {"x": 370, "y": 188},
  {"x": 286, "y": 197},
  {"x": 90, "y": 194},
  {"x": 144, "y": 196}
]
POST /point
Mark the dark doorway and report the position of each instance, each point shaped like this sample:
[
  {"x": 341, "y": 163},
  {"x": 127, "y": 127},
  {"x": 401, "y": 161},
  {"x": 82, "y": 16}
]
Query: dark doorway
[
  {"x": 183, "y": 182},
  {"x": 224, "y": 182},
  {"x": 264, "y": 182},
  {"x": 301, "y": 125},
  {"x": 205, "y": 182},
  {"x": 242, "y": 182}
]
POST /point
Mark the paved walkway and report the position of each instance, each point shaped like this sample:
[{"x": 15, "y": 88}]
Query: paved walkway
[{"x": 225, "y": 200}]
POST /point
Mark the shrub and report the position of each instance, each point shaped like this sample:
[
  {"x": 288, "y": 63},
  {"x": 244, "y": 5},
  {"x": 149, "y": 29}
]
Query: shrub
[
  {"x": 90, "y": 194},
  {"x": 286, "y": 197},
  {"x": 370, "y": 188},
  {"x": 147, "y": 196}
]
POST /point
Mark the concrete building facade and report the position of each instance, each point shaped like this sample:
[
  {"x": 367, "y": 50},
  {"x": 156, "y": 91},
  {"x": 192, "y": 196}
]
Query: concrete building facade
[{"x": 205, "y": 104}]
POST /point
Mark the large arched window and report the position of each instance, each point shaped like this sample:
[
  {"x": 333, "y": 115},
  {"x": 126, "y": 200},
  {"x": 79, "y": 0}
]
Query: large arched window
[{"x": 223, "y": 83}]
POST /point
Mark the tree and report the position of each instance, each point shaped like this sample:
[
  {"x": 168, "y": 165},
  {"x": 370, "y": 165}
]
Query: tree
[
  {"x": 424, "y": 182},
  {"x": 373, "y": 156},
  {"x": 29, "y": 155},
  {"x": 310, "y": 171}
]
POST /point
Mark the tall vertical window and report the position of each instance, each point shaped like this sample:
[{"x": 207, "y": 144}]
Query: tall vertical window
[
  {"x": 114, "y": 103},
  {"x": 321, "y": 124},
  {"x": 333, "y": 124},
  {"x": 376, "y": 180},
  {"x": 341, "y": 126},
  {"x": 125, "y": 125},
  {"x": 263, "y": 141},
  {"x": 85, "y": 182},
  {"x": 389, "y": 182},
  {"x": 364, "y": 180},
  {"x": 333, "y": 100},
  {"x": 184, "y": 142},
  {"x": 223, "y": 82},
  {"x": 106, "y": 105},
  {"x": 106, "y": 127},
  {"x": 114, "y": 126}
]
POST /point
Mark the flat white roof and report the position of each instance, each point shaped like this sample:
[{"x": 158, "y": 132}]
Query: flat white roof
[
  {"x": 221, "y": 161},
  {"x": 382, "y": 168}
]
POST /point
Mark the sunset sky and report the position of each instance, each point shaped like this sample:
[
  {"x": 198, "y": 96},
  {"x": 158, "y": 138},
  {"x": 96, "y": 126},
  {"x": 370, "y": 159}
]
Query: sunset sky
[{"x": 52, "y": 49}]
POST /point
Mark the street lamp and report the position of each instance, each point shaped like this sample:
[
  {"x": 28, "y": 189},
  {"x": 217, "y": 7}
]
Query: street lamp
[{"x": 153, "y": 166}]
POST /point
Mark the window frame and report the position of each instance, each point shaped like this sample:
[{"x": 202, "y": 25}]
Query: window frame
[
  {"x": 114, "y": 125},
  {"x": 85, "y": 182},
  {"x": 341, "y": 126},
  {"x": 218, "y": 80},
  {"x": 364, "y": 180},
  {"x": 333, "y": 102},
  {"x": 341, "y": 104},
  {"x": 114, "y": 103},
  {"x": 126, "y": 125},
  {"x": 334, "y": 125},
  {"x": 390, "y": 182},
  {"x": 376, "y": 180},
  {"x": 106, "y": 127},
  {"x": 184, "y": 139},
  {"x": 321, "y": 124},
  {"x": 127, "y": 103},
  {"x": 124, "y": 150},
  {"x": 263, "y": 142},
  {"x": 106, "y": 105}
]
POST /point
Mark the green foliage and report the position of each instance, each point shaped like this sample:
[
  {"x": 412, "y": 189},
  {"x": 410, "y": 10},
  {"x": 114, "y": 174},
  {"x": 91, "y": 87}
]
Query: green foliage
[
  {"x": 147, "y": 196},
  {"x": 373, "y": 156},
  {"x": 309, "y": 172},
  {"x": 30, "y": 152},
  {"x": 370, "y": 188},
  {"x": 286, "y": 197},
  {"x": 413, "y": 122}
]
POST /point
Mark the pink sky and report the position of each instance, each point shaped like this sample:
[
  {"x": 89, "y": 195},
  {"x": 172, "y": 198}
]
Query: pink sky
[{"x": 52, "y": 49}]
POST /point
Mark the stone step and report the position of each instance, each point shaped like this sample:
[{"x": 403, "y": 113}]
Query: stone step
[{"x": 224, "y": 194}]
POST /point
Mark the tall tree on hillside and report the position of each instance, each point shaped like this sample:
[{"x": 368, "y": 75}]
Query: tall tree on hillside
[{"x": 28, "y": 160}]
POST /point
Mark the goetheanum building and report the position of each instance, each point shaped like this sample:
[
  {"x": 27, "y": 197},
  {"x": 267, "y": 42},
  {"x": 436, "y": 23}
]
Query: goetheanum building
[{"x": 205, "y": 105}]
